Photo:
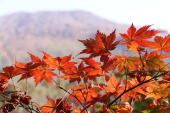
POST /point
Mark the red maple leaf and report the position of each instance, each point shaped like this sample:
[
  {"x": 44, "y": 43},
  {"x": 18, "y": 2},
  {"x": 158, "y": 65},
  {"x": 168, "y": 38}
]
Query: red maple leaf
[
  {"x": 88, "y": 72},
  {"x": 101, "y": 45},
  {"x": 9, "y": 72},
  {"x": 37, "y": 68}
]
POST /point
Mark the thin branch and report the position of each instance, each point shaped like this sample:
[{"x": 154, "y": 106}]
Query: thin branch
[
  {"x": 83, "y": 95},
  {"x": 26, "y": 89},
  {"x": 135, "y": 87},
  {"x": 126, "y": 72},
  {"x": 13, "y": 84},
  {"x": 141, "y": 60},
  {"x": 29, "y": 109},
  {"x": 73, "y": 96}
]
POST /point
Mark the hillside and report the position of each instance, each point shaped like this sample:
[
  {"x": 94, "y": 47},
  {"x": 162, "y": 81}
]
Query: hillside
[
  {"x": 71, "y": 24},
  {"x": 53, "y": 32}
]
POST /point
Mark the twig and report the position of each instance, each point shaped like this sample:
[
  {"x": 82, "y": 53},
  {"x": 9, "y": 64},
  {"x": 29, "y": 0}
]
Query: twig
[
  {"x": 29, "y": 109},
  {"x": 73, "y": 96},
  {"x": 134, "y": 88}
]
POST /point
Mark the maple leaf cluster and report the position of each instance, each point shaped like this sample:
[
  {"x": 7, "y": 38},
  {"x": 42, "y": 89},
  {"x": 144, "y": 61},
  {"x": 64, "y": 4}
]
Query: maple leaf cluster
[{"x": 100, "y": 81}]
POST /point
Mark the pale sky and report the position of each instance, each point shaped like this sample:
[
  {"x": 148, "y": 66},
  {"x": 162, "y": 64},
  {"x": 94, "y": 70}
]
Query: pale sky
[{"x": 140, "y": 12}]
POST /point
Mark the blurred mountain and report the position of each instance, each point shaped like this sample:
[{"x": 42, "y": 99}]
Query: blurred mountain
[
  {"x": 53, "y": 32},
  {"x": 73, "y": 24}
]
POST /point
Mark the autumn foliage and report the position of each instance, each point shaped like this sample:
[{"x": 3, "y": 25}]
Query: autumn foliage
[{"x": 100, "y": 81}]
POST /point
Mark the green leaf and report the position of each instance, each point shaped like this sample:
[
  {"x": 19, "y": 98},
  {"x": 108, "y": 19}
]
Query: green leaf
[{"x": 146, "y": 111}]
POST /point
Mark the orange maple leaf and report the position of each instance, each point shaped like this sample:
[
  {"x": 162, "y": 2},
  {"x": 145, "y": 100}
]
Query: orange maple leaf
[
  {"x": 113, "y": 84},
  {"x": 160, "y": 43},
  {"x": 153, "y": 60},
  {"x": 138, "y": 35},
  {"x": 85, "y": 93},
  {"x": 125, "y": 62},
  {"x": 158, "y": 91},
  {"x": 56, "y": 106}
]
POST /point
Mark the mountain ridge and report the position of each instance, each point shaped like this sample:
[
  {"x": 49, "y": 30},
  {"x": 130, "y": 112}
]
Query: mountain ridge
[{"x": 55, "y": 24}]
